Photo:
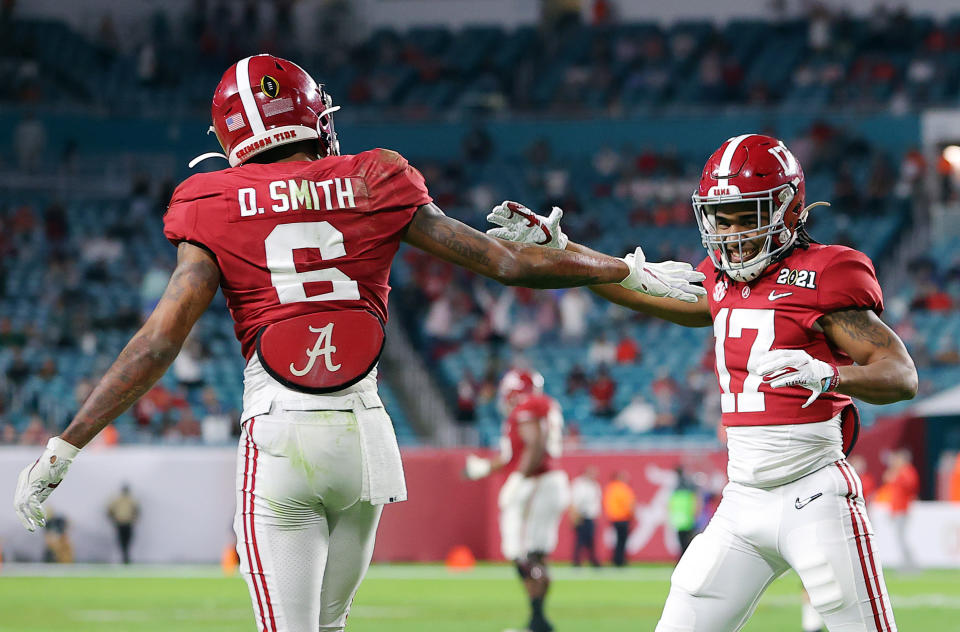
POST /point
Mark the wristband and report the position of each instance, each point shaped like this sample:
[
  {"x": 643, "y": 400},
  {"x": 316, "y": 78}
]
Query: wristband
[
  {"x": 831, "y": 383},
  {"x": 62, "y": 449}
]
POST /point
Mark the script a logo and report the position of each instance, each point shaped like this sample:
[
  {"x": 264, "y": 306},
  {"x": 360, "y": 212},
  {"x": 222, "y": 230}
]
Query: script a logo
[{"x": 321, "y": 347}]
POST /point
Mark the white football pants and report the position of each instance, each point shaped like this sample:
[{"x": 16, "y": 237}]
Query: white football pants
[
  {"x": 304, "y": 538},
  {"x": 816, "y": 525},
  {"x": 529, "y": 523}
]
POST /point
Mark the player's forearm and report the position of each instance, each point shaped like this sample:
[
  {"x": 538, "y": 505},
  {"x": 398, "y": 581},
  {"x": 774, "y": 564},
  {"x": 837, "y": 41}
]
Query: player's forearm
[
  {"x": 669, "y": 309},
  {"x": 142, "y": 362},
  {"x": 538, "y": 267},
  {"x": 884, "y": 381}
]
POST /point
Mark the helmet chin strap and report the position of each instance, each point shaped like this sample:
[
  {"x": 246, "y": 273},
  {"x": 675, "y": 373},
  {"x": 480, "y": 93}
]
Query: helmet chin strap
[
  {"x": 803, "y": 213},
  {"x": 334, "y": 149},
  {"x": 210, "y": 154}
]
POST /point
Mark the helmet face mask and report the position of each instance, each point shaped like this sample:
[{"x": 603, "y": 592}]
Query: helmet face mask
[
  {"x": 745, "y": 254},
  {"x": 749, "y": 174},
  {"x": 325, "y": 131}
]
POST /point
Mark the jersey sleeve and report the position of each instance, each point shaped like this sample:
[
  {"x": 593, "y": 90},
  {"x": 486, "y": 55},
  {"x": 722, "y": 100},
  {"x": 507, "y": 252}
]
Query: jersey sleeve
[
  {"x": 848, "y": 282},
  {"x": 180, "y": 220},
  {"x": 392, "y": 183}
]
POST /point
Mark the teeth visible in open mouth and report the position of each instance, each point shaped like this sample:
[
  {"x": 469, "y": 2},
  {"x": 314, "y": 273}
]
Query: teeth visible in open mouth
[{"x": 734, "y": 255}]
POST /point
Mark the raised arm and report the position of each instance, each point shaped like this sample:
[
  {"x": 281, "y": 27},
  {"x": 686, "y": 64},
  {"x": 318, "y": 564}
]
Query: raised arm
[
  {"x": 507, "y": 262},
  {"x": 669, "y": 309},
  {"x": 651, "y": 293},
  {"x": 884, "y": 371},
  {"x": 146, "y": 357}
]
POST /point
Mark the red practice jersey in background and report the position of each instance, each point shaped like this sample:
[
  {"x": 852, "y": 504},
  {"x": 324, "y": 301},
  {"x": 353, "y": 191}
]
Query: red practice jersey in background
[
  {"x": 540, "y": 409},
  {"x": 779, "y": 310},
  {"x": 294, "y": 238}
]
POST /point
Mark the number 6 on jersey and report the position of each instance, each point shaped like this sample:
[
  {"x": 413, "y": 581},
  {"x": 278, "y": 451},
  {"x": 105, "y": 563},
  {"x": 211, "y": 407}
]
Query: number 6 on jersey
[{"x": 280, "y": 244}]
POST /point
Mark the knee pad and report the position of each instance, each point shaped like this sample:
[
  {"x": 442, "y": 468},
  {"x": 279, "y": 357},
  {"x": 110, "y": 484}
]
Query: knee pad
[
  {"x": 823, "y": 586},
  {"x": 816, "y": 570}
]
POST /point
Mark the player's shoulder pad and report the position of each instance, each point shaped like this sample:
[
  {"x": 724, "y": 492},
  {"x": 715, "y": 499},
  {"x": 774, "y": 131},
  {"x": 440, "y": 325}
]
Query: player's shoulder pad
[
  {"x": 845, "y": 253},
  {"x": 829, "y": 255},
  {"x": 847, "y": 279},
  {"x": 534, "y": 407},
  {"x": 380, "y": 162},
  {"x": 197, "y": 187}
]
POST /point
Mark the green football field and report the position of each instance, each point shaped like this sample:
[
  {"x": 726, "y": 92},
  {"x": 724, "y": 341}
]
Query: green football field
[{"x": 402, "y": 598}]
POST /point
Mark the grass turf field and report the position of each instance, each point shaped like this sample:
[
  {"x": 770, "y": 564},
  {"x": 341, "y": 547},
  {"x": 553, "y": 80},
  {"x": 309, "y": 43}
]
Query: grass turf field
[{"x": 408, "y": 598}]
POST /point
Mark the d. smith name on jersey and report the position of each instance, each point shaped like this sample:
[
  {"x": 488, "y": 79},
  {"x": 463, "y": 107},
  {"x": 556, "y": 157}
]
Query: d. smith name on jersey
[{"x": 296, "y": 194}]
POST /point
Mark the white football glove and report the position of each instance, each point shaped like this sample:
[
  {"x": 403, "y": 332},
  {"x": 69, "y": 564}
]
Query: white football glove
[
  {"x": 671, "y": 279},
  {"x": 38, "y": 480},
  {"x": 477, "y": 467},
  {"x": 794, "y": 367},
  {"x": 518, "y": 223}
]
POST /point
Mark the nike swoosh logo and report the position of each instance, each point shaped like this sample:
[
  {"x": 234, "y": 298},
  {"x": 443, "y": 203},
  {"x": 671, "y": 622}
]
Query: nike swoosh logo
[
  {"x": 800, "y": 504},
  {"x": 774, "y": 296},
  {"x": 531, "y": 221}
]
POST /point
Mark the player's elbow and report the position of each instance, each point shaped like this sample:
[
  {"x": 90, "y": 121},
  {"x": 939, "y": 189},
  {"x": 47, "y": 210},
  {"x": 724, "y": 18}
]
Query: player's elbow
[
  {"x": 162, "y": 350},
  {"x": 157, "y": 345},
  {"x": 909, "y": 383}
]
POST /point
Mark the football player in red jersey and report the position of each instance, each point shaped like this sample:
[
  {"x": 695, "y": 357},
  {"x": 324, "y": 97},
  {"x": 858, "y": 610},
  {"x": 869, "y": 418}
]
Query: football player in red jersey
[
  {"x": 301, "y": 240},
  {"x": 535, "y": 494},
  {"x": 797, "y": 336}
]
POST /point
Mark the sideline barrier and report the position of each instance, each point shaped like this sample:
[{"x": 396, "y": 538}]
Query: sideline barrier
[{"x": 187, "y": 501}]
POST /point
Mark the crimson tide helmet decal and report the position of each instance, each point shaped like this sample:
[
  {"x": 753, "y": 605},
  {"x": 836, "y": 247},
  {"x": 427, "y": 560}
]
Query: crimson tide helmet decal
[{"x": 263, "y": 102}]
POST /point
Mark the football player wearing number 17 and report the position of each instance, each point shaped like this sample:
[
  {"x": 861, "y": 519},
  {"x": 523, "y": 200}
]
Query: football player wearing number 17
[
  {"x": 301, "y": 240},
  {"x": 797, "y": 335}
]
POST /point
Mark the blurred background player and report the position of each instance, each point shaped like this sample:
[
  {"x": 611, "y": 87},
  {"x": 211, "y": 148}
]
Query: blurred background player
[
  {"x": 58, "y": 548},
  {"x": 682, "y": 508},
  {"x": 535, "y": 493},
  {"x": 901, "y": 485},
  {"x": 797, "y": 334},
  {"x": 301, "y": 241},
  {"x": 123, "y": 512},
  {"x": 586, "y": 498},
  {"x": 619, "y": 503}
]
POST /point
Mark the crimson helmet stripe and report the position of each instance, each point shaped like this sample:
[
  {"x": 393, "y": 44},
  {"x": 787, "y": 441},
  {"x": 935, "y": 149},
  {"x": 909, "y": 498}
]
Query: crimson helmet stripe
[
  {"x": 723, "y": 170},
  {"x": 246, "y": 96}
]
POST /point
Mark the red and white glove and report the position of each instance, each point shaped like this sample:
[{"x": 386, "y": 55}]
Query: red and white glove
[
  {"x": 795, "y": 367},
  {"x": 38, "y": 480},
  {"x": 518, "y": 223},
  {"x": 670, "y": 279}
]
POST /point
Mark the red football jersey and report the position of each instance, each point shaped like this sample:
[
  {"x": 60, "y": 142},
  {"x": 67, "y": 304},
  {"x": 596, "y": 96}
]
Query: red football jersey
[
  {"x": 540, "y": 409},
  {"x": 778, "y": 311},
  {"x": 294, "y": 238}
]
